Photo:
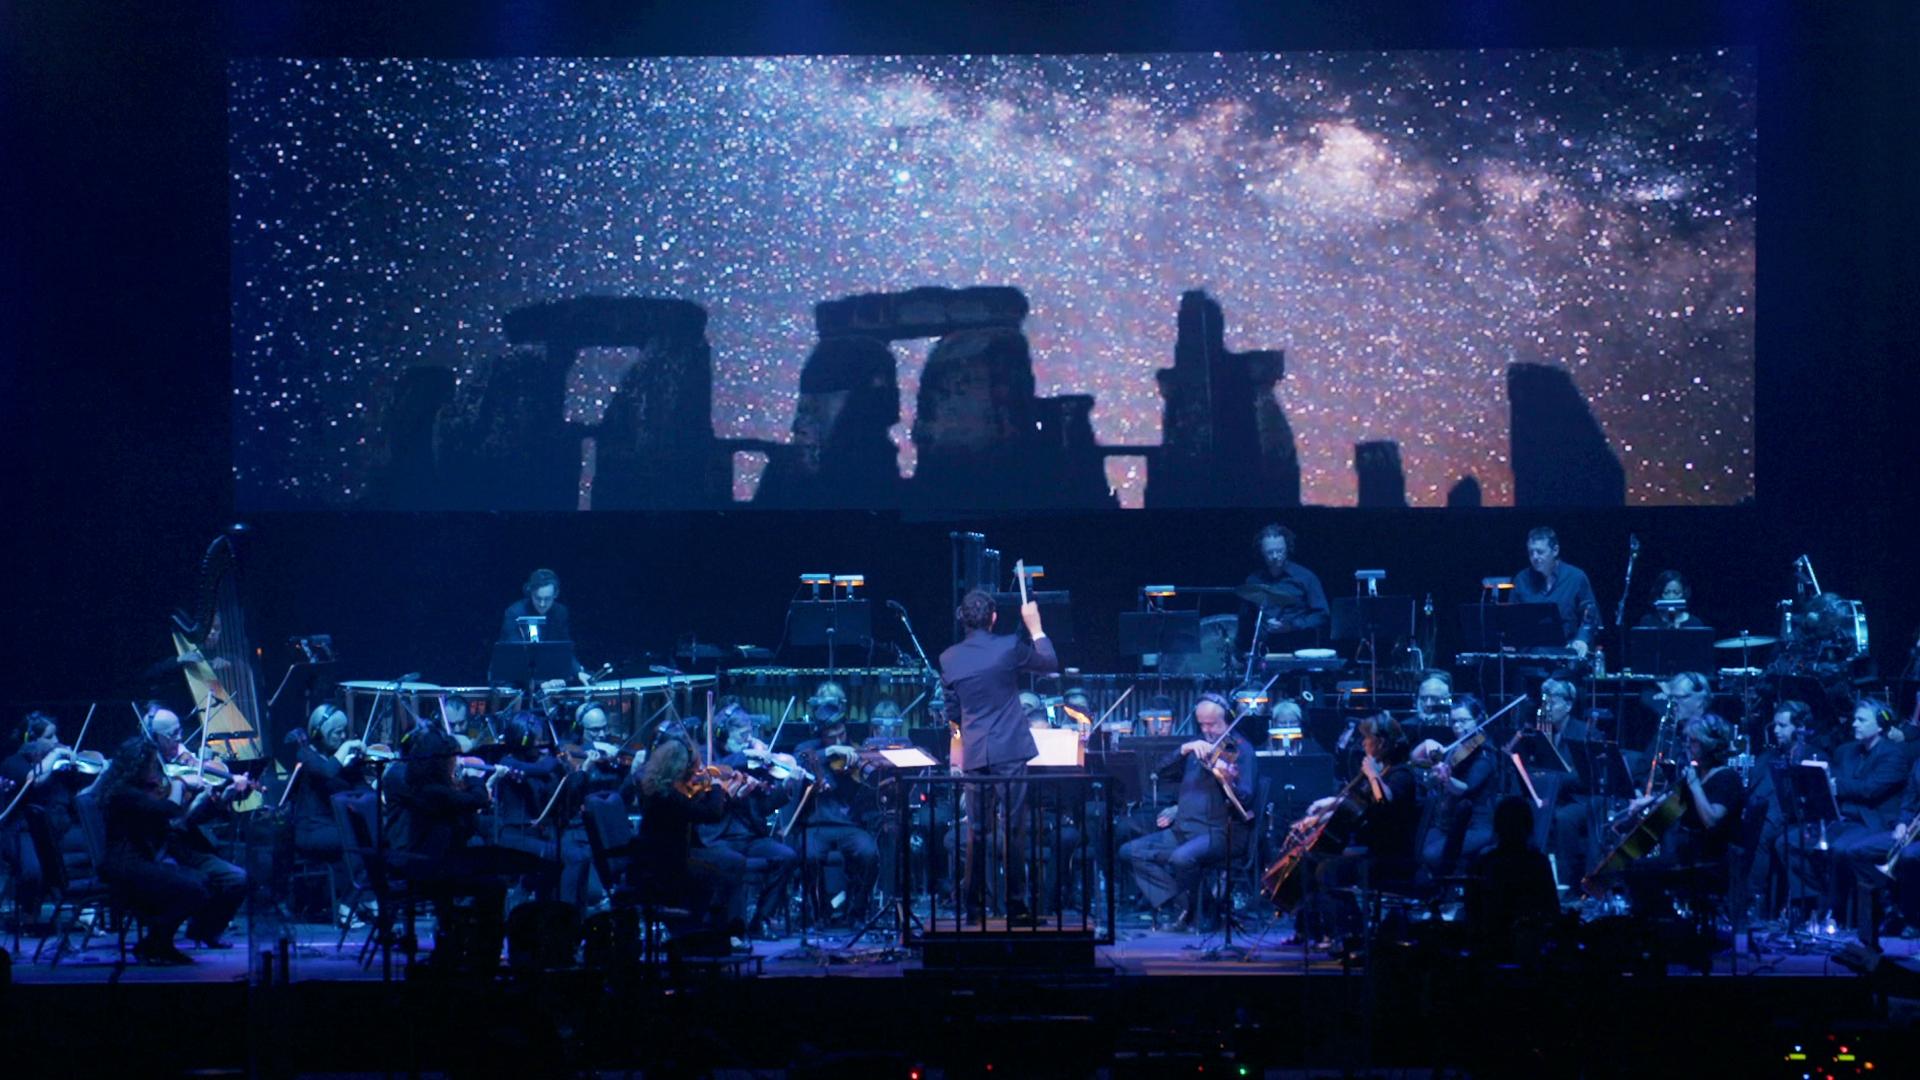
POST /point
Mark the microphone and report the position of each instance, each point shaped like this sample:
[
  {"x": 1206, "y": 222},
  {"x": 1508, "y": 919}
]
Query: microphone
[
  {"x": 662, "y": 669},
  {"x": 899, "y": 607},
  {"x": 1427, "y": 609},
  {"x": 1633, "y": 543}
]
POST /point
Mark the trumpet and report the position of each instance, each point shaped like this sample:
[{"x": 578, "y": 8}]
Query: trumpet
[{"x": 1900, "y": 848}]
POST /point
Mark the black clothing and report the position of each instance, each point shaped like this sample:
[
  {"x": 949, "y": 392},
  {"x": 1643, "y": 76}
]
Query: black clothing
[
  {"x": 558, "y": 627},
  {"x": 1202, "y": 802},
  {"x": 1654, "y": 620},
  {"x": 1463, "y": 821},
  {"x": 321, "y": 778},
  {"x": 162, "y": 874},
  {"x": 1693, "y": 840},
  {"x": 1570, "y": 591},
  {"x": 981, "y": 675},
  {"x": 1300, "y": 604},
  {"x": 1867, "y": 782},
  {"x": 670, "y": 856},
  {"x": 439, "y": 816}
]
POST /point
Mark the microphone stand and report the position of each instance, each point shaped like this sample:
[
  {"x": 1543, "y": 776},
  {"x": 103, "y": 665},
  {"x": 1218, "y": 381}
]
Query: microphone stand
[{"x": 932, "y": 675}]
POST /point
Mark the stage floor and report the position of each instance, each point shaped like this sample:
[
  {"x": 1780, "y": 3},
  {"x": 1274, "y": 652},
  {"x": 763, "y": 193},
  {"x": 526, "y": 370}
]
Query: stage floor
[{"x": 1138, "y": 951}]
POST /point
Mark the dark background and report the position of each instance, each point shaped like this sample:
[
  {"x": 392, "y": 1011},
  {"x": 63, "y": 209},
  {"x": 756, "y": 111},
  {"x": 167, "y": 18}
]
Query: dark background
[{"x": 116, "y": 396}]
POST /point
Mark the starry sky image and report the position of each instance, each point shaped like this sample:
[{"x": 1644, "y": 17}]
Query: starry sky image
[{"x": 1404, "y": 225}]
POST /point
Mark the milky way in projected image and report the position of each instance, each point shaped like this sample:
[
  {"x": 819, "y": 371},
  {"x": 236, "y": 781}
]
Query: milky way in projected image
[{"x": 1403, "y": 225}]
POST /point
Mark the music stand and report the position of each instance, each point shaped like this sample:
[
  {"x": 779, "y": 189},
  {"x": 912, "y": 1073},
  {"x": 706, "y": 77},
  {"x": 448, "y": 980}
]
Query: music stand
[
  {"x": 1159, "y": 632},
  {"x": 1494, "y": 627},
  {"x": 1806, "y": 798},
  {"x": 1601, "y": 766},
  {"x": 1664, "y": 651},
  {"x": 527, "y": 664},
  {"x": 832, "y": 623},
  {"x": 1363, "y": 618},
  {"x": 1056, "y": 611},
  {"x": 1537, "y": 752}
]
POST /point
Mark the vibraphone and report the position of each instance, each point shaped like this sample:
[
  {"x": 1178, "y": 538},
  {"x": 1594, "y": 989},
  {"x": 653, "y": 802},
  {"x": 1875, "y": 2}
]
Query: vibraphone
[{"x": 766, "y": 690}]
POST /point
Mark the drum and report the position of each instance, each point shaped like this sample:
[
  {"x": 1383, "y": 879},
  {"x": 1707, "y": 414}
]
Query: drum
[{"x": 1853, "y": 627}]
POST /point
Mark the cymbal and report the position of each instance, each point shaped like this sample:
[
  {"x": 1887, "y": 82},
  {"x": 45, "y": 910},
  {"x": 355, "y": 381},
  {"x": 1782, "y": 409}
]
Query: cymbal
[
  {"x": 1255, "y": 593},
  {"x": 1748, "y": 641}
]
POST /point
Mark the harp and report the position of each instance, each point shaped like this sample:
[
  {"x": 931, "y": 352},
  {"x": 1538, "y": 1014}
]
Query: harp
[{"x": 217, "y": 659}]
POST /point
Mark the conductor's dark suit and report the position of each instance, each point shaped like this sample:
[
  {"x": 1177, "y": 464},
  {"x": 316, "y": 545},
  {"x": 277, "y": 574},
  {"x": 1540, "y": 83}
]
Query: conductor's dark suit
[{"x": 981, "y": 674}]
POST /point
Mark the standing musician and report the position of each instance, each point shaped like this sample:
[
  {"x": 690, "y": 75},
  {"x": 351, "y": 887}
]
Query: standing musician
[
  {"x": 1547, "y": 580},
  {"x": 48, "y": 772},
  {"x": 1384, "y": 811},
  {"x": 540, "y": 597},
  {"x": 744, "y": 830},
  {"x": 980, "y": 674},
  {"x": 835, "y": 807},
  {"x": 678, "y": 796},
  {"x": 1463, "y": 818},
  {"x": 1192, "y": 833},
  {"x": 1670, "y": 588},
  {"x": 157, "y": 861},
  {"x": 1296, "y": 602}
]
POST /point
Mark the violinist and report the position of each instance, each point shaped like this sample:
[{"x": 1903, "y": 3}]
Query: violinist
[
  {"x": 47, "y": 771},
  {"x": 744, "y": 830},
  {"x": 438, "y": 807},
  {"x": 1383, "y": 811},
  {"x": 1464, "y": 780},
  {"x": 153, "y": 861},
  {"x": 1193, "y": 833},
  {"x": 594, "y": 752},
  {"x": 836, "y": 808},
  {"x": 677, "y": 796},
  {"x": 524, "y": 813},
  {"x": 191, "y": 847}
]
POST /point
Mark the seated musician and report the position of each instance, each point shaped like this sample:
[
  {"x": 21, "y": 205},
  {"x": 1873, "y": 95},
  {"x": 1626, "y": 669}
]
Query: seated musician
[
  {"x": 1034, "y": 709},
  {"x": 1694, "y": 850},
  {"x": 592, "y": 734},
  {"x": 745, "y": 828},
  {"x": 676, "y": 798},
  {"x": 540, "y": 598},
  {"x": 438, "y": 805},
  {"x": 1547, "y": 580},
  {"x": 191, "y": 847},
  {"x": 156, "y": 861},
  {"x": 1572, "y": 806},
  {"x": 1868, "y": 776},
  {"x": 456, "y": 717},
  {"x": 1192, "y": 834},
  {"x": 1384, "y": 814},
  {"x": 525, "y": 816},
  {"x": 1295, "y": 608},
  {"x": 1671, "y": 588},
  {"x": 1869, "y": 852},
  {"x": 1763, "y": 824},
  {"x": 1433, "y": 698},
  {"x": 46, "y": 770},
  {"x": 885, "y": 715},
  {"x": 330, "y": 761},
  {"x": 1463, "y": 818},
  {"x": 837, "y": 814}
]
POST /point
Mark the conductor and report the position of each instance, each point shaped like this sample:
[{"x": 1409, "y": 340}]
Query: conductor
[{"x": 981, "y": 676}]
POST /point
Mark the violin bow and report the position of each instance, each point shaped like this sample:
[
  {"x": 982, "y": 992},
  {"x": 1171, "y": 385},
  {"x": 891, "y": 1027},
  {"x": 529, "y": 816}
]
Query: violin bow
[
  {"x": 788, "y": 711},
  {"x": 1097, "y": 724},
  {"x": 83, "y": 728}
]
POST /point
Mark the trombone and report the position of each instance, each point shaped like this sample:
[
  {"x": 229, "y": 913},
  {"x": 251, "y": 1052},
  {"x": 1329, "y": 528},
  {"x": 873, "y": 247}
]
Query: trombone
[{"x": 1900, "y": 847}]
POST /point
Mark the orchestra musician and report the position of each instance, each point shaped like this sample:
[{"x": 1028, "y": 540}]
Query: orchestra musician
[
  {"x": 330, "y": 762},
  {"x": 1467, "y": 788},
  {"x": 1711, "y": 796},
  {"x": 435, "y": 808},
  {"x": 1764, "y": 822},
  {"x": 1034, "y": 709},
  {"x": 1547, "y": 580},
  {"x": 1868, "y": 776},
  {"x": 979, "y": 674},
  {"x": 745, "y": 830},
  {"x": 1192, "y": 834},
  {"x": 48, "y": 772},
  {"x": 525, "y": 816},
  {"x": 835, "y": 808},
  {"x": 1384, "y": 815},
  {"x": 1296, "y": 603},
  {"x": 1869, "y": 852},
  {"x": 540, "y": 597},
  {"x": 677, "y": 797},
  {"x": 157, "y": 861},
  {"x": 1433, "y": 698},
  {"x": 1671, "y": 587}
]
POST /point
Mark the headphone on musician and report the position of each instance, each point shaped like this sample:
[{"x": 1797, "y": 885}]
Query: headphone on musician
[{"x": 1216, "y": 698}]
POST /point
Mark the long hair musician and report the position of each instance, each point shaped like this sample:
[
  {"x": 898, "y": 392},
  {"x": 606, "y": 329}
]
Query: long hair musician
[{"x": 1380, "y": 810}]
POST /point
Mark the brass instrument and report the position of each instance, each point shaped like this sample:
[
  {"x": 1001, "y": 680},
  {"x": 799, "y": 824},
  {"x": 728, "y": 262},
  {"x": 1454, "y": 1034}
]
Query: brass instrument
[{"x": 1900, "y": 848}]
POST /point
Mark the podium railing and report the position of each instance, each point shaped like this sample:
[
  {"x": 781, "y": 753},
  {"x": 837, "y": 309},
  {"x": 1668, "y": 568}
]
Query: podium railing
[{"x": 1040, "y": 846}]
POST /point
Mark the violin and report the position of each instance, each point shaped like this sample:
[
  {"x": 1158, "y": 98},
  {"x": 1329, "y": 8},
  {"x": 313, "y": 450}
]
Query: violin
[{"x": 75, "y": 762}]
